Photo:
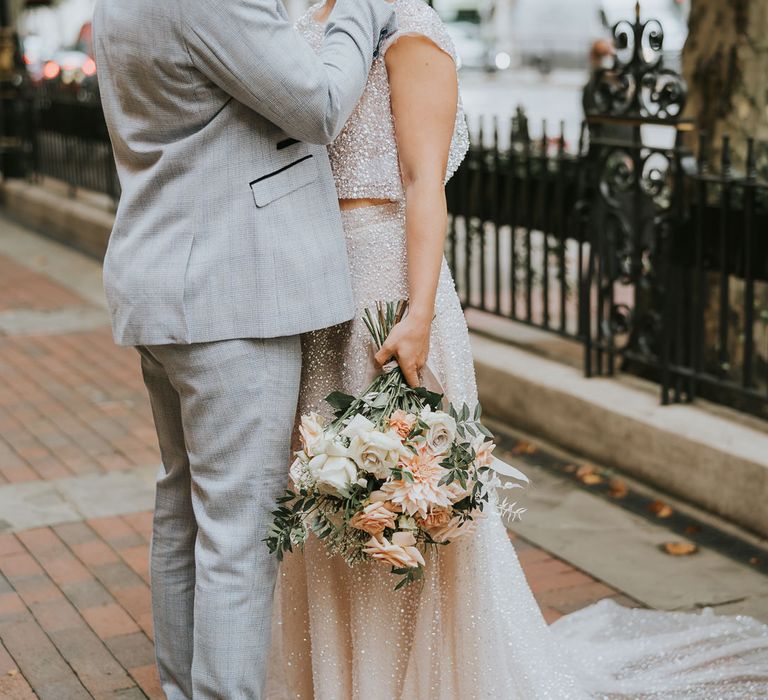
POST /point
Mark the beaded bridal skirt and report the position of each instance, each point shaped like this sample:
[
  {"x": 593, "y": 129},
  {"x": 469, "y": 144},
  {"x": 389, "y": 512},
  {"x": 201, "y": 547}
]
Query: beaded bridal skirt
[{"x": 471, "y": 629}]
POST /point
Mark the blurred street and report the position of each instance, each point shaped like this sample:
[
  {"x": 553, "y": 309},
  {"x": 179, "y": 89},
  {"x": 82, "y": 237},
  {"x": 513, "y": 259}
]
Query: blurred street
[{"x": 557, "y": 94}]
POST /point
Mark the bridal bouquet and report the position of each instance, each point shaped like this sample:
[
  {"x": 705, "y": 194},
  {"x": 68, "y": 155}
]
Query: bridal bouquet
[{"x": 390, "y": 475}]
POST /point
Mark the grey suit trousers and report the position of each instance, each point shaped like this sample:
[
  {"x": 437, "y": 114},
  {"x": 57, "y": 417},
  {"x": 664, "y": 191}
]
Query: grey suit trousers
[{"x": 224, "y": 413}]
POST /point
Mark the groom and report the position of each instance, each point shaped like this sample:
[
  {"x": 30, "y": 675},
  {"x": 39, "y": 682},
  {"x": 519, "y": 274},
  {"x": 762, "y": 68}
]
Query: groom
[{"x": 227, "y": 244}]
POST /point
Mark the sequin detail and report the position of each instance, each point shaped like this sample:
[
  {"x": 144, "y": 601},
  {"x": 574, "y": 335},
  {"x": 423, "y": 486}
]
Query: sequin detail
[{"x": 364, "y": 156}]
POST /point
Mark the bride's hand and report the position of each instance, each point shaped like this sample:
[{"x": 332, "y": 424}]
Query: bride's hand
[{"x": 408, "y": 343}]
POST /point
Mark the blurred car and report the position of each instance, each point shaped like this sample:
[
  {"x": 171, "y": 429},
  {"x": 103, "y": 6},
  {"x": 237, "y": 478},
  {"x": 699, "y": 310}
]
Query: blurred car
[
  {"x": 69, "y": 69},
  {"x": 473, "y": 50},
  {"x": 33, "y": 50}
]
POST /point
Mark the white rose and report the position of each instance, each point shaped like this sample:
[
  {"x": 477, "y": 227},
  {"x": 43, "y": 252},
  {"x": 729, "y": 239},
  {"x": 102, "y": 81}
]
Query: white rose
[
  {"x": 330, "y": 448},
  {"x": 312, "y": 433},
  {"x": 376, "y": 452},
  {"x": 441, "y": 431},
  {"x": 357, "y": 426},
  {"x": 333, "y": 475}
]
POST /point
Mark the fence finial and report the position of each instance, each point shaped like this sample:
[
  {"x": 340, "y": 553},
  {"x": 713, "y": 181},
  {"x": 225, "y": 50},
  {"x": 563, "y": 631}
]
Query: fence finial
[{"x": 637, "y": 10}]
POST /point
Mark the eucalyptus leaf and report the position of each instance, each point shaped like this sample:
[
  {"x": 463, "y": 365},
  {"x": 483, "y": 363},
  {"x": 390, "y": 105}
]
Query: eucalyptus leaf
[{"x": 339, "y": 400}]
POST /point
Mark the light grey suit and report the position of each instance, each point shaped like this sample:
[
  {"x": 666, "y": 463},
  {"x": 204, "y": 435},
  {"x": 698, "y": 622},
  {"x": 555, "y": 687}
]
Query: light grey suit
[{"x": 227, "y": 244}]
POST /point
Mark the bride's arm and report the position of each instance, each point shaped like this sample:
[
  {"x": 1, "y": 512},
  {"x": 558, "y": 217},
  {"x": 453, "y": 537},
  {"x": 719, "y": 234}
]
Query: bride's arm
[{"x": 424, "y": 89}]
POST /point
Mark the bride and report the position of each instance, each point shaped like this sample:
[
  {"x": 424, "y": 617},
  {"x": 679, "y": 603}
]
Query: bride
[{"x": 471, "y": 629}]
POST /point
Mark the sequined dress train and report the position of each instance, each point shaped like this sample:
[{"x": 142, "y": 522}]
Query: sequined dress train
[{"x": 472, "y": 630}]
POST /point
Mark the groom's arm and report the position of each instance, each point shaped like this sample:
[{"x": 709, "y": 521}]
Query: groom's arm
[{"x": 249, "y": 50}]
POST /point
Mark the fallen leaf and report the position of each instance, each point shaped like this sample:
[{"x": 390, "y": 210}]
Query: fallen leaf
[
  {"x": 660, "y": 509},
  {"x": 570, "y": 468},
  {"x": 679, "y": 549},
  {"x": 524, "y": 448},
  {"x": 692, "y": 529},
  {"x": 585, "y": 469},
  {"x": 754, "y": 560},
  {"x": 13, "y": 672},
  {"x": 588, "y": 475},
  {"x": 618, "y": 489}
]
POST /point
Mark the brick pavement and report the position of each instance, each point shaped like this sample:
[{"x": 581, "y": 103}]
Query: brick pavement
[
  {"x": 71, "y": 404},
  {"x": 74, "y": 598},
  {"x": 75, "y": 607}
]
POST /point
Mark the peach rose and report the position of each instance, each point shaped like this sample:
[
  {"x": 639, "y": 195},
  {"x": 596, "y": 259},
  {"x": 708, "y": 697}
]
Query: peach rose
[
  {"x": 402, "y": 423},
  {"x": 374, "y": 518},
  {"x": 439, "y": 517},
  {"x": 455, "y": 527},
  {"x": 400, "y": 553}
]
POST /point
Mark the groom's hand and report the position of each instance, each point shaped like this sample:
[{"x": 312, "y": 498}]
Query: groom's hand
[{"x": 408, "y": 343}]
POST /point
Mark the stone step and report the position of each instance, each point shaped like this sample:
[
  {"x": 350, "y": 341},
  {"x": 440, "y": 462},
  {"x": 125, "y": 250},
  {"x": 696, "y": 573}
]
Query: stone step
[{"x": 707, "y": 457}]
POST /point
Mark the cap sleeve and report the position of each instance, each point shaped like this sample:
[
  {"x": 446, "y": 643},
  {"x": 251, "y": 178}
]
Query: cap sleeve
[{"x": 416, "y": 18}]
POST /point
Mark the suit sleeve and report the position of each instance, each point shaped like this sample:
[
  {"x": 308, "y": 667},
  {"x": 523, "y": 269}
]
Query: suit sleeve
[{"x": 253, "y": 53}]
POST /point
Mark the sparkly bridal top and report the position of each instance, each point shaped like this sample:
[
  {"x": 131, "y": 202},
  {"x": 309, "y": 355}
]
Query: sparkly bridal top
[{"x": 364, "y": 156}]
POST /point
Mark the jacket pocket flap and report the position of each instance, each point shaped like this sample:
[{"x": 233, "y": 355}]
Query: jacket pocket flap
[{"x": 281, "y": 182}]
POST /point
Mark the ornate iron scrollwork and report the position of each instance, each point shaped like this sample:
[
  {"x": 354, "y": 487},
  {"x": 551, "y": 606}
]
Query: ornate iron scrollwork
[
  {"x": 638, "y": 85},
  {"x": 631, "y": 190}
]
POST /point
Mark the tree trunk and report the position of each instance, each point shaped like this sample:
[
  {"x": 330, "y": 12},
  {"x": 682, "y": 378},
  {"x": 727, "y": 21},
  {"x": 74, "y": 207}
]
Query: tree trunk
[{"x": 725, "y": 62}]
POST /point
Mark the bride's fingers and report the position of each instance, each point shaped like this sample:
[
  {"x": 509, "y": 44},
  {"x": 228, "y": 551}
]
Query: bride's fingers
[
  {"x": 384, "y": 355},
  {"x": 411, "y": 374}
]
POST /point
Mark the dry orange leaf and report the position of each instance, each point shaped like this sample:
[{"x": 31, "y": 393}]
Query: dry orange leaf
[
  {"x": 660, "y": 509},
  {"x": 591, "y": 479},
  {"x": 585, "y": 469},
  {"x": 680, "y": 549},
  {"x": 618, "y": 489},
  {"x": 524, "y": 448}
]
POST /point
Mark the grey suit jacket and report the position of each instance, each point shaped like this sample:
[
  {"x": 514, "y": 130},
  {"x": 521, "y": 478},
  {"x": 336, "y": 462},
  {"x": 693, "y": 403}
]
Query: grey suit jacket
[{"x": 228, "y": 224}]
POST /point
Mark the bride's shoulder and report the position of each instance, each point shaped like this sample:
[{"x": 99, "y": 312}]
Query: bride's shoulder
[{"x": 416, "y": 17}]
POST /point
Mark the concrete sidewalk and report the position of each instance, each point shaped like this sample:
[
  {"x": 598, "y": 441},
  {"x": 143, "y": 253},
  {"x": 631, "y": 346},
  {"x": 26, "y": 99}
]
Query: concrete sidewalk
[{"x": 77, "y": 461}]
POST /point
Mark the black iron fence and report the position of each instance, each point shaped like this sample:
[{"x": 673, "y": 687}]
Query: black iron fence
[
  {"x": 516, "y": 241},
  {"x": 715, "y": 290},
  {"x": 70, "y": 141},
  {"x": 654, "y": 260}
]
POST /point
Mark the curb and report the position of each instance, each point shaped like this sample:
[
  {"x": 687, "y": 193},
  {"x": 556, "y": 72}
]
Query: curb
[
  {"x": 48, "y": 209},
  {"x": 686, "y": 450}
]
